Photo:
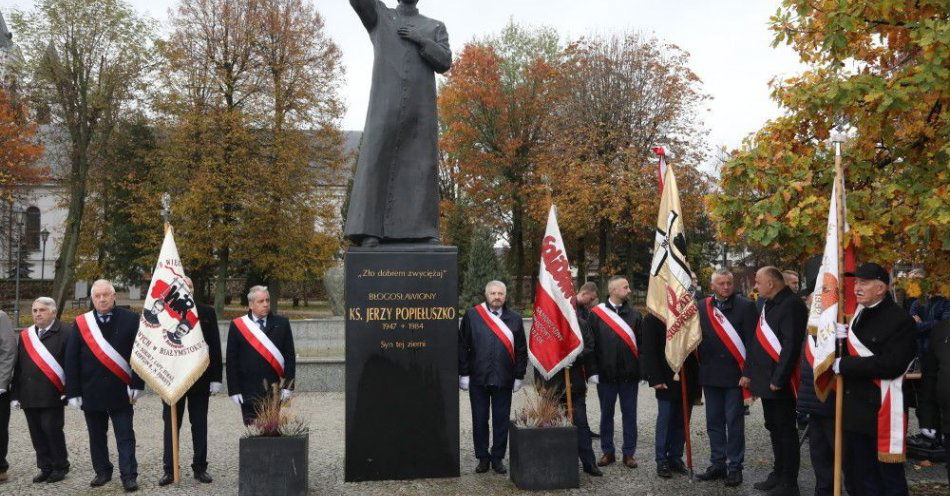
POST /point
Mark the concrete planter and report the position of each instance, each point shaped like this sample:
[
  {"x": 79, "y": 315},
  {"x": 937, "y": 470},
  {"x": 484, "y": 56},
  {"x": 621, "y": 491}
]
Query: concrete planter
[
  {"x": 273, "y": 465},
  {"x": 543, "y": 458}
]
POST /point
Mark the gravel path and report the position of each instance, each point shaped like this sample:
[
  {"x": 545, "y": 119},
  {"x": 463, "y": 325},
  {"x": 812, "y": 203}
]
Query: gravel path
[{"x": 325, "y": 413}]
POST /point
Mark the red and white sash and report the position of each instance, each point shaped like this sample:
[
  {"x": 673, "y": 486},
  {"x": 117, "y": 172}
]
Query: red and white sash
[
  {"x": 43, "y": 358},
  {"x": 891, "y": 420},
  {"x": 103, "y": 351},
  {"x": 623, "y": 330},
  {"x": 773, "y": 347},
  {"x": 730, "y": 338},
  {"x": 260, "y": 342},
  {"x": 499, "y": 328}
]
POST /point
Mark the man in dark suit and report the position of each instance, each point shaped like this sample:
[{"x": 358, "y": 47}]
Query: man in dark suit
[
  {"x": 582, "y": 367},
  {"x": 100, "y": 381},
  {"x": 887, "y": 332},
  {"x": 587, "y": 297},
  {"x": 615, "y": 327},
  {"x": 721, "y": 361},
  {"x": 935, "y": 387},
  {"x": 251, "y": 374},
  {"x": 41, "y": 395},
  {"x": 197, "y": 400},
  {"x": 670, "y": 433},
  {"x": 772, "y": 373},
  {"x": 7, "y": 359},
  {"x": 493, "y": 359}
]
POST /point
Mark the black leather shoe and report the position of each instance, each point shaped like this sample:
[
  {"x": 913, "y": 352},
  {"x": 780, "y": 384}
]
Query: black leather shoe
[
  {"x": 711, "y": 474},
  {"x": 593, "y": 471},
  {"x": 784, "y": 490},
  {"x": 734, "y": 479},
  {"x": 499, "y": 467},
  {"x": 204, "y": 477},
  {"x": 663, "y": 470},
  {"x": 768, "y": 484},
  {"x": 166, "y": 480},
  {"x": 482, "y": 466},
  {"x": 130, "y": 485},
  {"x": 677, "y": 466},
  {"x": 41, "y": 477},
  {"x": 100, "y": 480},
  {"x": 55, "y": 476},
  {"x": 595, "y": 435}
]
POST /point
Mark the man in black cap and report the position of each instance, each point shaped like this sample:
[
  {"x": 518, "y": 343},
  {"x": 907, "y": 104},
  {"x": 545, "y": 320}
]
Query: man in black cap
[{"x": 881, "y": 346}]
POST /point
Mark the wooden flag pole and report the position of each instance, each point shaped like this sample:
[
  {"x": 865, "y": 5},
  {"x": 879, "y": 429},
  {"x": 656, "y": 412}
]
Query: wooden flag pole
[
  {"x": 567, "y": 390},
  {"x": 686, "y": 436},
  {"x": 176, "y": 472},
  {"x": 839, "y": 380}
]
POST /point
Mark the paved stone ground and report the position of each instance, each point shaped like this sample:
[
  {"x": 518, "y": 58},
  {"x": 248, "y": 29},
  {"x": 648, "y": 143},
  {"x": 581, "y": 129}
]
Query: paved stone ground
[{"x": 325, "y": 413}]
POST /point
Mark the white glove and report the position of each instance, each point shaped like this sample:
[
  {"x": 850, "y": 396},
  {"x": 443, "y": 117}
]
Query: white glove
[
  {"x": 14, "y": 404},
  {"x": 215, "y": 387},
  {"x": 75, "y": 403},
  {"x": 930, "y": 433},
  {"x": 237, "y": 399},
  {"x": 837, "y": 366},
  {"x": 284, "y": 394},
  {"x": 518, "y": 384},
  {"x": 463, "y": 382},
  {"x": 3, "y": 391},
  {"x": 134, "y": 393},
  {"x": 594, "y": 379},
  {"x": 841, "y": 331}
]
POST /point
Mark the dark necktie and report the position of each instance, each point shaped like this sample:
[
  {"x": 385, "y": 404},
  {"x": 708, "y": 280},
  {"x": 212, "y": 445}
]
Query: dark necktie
[
  {"x": 105, "y": 318},
  {"x": 260, "y": 323},
  {"x": 40, "y": 332}
]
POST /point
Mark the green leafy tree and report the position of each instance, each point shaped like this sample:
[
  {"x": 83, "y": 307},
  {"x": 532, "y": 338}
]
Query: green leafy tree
[
  {"x": 84, "y": 61},
  {"x": 879, "y": 70},
  {"x": 483, "y": 266}
]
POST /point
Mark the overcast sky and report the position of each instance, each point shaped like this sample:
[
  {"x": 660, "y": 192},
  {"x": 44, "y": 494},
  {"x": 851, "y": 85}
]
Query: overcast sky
[{"x": 728, "y": 40}]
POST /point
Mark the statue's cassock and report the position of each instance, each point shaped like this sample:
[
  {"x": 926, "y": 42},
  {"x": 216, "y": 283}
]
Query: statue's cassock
[{"x": 395, "y": 189}]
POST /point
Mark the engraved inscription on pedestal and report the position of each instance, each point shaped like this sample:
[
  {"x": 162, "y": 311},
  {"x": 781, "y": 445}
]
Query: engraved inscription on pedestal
[{"x": 401, "y": 363}]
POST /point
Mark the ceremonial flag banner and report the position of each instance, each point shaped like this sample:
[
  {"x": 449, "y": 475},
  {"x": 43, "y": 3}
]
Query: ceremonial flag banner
[
  {"x": 823, "y": 316},
  {"x": 555, "y": 338},
  {"x": 170, "y": 352},
  {"x": 670, "y": 294}
]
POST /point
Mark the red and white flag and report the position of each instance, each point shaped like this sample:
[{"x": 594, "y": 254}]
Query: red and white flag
[
  {"x": 170, "y": 352},
  {"x": 823, "y": 314},
  {"x": 555, "y": 339}
]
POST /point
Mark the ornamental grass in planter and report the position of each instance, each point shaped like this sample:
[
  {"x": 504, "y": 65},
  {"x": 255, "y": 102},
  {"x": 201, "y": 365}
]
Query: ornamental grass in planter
[
  {"x": 543, "y": 444},
  {"x": 273, "y": 457}
]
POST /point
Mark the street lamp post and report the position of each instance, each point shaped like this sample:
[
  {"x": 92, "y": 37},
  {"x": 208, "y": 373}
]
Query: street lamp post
[
  {"x": 44, "y": 235},
  {"x": 17, "y": 254}
]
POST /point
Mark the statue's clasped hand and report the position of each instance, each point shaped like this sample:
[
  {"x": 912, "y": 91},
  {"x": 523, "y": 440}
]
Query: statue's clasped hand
[{"x": 409, "y": 33}]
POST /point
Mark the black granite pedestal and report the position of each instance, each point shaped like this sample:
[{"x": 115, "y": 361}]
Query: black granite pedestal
[{"x": 402, "y": 398}]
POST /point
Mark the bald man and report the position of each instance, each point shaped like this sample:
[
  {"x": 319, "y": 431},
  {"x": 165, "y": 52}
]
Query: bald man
[
  {"x": 772, "y": 373},
  {"x": 615, "y": 327}
]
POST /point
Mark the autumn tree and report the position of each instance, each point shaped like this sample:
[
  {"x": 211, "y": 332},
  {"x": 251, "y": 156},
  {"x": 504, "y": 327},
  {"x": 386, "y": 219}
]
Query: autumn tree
[
  {"x": 84, "y": 61},
  {"x": 878, "y": 70},
  {"x": 249, "y": 101},
  {"x": 625, "y": 94},
  {"x": 19, "y": 150},
  {"x": 495, "y": 107}
]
